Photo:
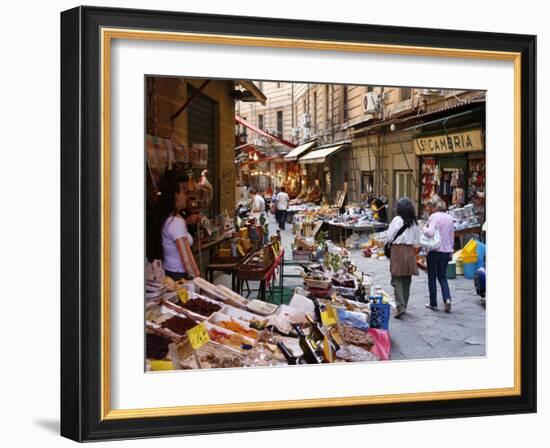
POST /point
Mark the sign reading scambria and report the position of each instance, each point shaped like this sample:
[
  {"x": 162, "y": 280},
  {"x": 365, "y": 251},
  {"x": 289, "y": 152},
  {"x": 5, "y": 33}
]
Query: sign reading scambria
[{"x": 468, "y": 141}]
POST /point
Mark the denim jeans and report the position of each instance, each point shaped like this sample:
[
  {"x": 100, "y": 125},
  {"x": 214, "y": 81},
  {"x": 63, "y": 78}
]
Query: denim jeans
[
  {"x": 176, "y": 276},
  {"x": 437, "y": 270}
]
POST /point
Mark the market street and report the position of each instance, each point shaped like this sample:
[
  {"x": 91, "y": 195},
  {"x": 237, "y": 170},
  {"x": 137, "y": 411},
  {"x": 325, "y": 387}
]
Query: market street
[{"x": 421, "y": 333}]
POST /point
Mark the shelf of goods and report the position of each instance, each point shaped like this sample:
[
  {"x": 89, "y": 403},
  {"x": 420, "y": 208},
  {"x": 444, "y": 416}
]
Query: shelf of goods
[{"x": 243, "y": 333}]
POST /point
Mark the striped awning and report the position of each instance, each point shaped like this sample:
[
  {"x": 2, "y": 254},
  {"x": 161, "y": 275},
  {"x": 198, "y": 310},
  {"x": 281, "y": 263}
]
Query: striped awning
[
  {"x": 293, "y": 155},
  {"x": 320, "y": 155}
]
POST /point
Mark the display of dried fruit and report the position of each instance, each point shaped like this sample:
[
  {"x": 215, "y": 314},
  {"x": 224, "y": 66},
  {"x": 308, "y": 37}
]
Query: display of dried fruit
[
  {"x": 202, "y": 307},
  {"x": 179, "y": 325},
  {"x": 234, "y": 340},
  {"x": 351, "y": 353},
  {"x": 261, "y": 356},
  {"x": 216, "y": 362},
  {"x": 238, "y": 328},
  {"x": 156, "y": 346},
  {"x": 356, "y": 336}
]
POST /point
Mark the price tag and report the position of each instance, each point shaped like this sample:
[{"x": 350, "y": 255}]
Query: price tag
[
  {"x": 157, "y": 365},
  {"x": 198, "y": 336},
  {"x": 331, "y": 315},
  {"x": 327, "y": 319},
  {"x": 183, "y": 294}
]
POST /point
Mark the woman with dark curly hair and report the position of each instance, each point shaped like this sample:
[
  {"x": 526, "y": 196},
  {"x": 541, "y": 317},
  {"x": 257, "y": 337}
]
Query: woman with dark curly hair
[{"x": 403, "y": 236}]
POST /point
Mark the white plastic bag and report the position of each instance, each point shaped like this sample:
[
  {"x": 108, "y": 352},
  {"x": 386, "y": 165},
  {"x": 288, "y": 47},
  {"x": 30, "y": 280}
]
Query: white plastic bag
[{"x": 430, "y": 244}]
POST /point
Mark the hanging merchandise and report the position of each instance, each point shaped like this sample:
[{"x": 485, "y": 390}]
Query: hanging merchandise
[{"x": 458, "y": 197}]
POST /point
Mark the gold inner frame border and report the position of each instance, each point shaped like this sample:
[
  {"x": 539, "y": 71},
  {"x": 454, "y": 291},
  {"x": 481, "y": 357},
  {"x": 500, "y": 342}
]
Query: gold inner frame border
[{"x": 107, "y": 35}]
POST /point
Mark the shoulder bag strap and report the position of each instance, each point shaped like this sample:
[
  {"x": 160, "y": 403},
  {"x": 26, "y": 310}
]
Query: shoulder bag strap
[{"x": 399, "y": 233}]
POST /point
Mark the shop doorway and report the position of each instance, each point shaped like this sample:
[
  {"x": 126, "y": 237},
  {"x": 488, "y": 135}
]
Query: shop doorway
[{"x": 202, "y": 124}]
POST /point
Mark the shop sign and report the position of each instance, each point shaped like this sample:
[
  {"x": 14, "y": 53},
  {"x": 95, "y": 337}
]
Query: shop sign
[{"x": 449, "y": 143}]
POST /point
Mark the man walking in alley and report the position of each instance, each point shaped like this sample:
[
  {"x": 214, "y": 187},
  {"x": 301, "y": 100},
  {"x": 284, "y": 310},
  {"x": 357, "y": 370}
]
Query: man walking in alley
[{"x": 282, "y": 205}]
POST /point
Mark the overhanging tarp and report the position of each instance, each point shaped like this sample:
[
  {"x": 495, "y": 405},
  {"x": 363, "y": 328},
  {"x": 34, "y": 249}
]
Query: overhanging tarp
[
  {"x": 293, "y": 155},
  {"x": 320, "y": 155},
  {"x": 251, "y": 87},
  {"x": 250, "y": 126}
]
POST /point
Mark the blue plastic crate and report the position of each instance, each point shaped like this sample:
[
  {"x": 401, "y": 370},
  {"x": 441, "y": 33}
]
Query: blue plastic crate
[{"x": 379, "y": 313}]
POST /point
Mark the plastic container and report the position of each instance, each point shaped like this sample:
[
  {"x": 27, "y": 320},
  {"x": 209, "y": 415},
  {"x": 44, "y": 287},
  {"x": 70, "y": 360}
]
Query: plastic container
[
  {"x": 481, "y": 249},
  {"x": 469, "y": 252},
  {"x": 451, "y": 270},
  {"x": 379, "y": 313},
  {"x": 470, "y": 270},
  {"x": 459, "y": 267}
]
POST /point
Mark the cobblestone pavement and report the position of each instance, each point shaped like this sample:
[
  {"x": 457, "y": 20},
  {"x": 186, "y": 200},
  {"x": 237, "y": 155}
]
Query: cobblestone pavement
[{"x": 422, "y": 333}]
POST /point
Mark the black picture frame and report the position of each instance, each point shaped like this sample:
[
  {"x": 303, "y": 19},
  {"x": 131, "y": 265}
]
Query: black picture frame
[{"x": 81, "y": 223}]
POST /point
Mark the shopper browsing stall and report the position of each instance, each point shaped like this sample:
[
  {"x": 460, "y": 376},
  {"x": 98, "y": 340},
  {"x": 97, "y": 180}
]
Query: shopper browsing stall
[
  {"x": 170, "y": 240},
  {"x": 274, "y": 202},
  {"x": 258, "y": 204},
  {"x": 403, "y": 236},
  {"x": 438, "y": 259},
  {"x": 378, "y": 207}
]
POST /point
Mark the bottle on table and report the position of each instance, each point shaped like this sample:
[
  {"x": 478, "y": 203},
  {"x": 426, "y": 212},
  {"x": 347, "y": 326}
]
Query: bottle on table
[{"x": 312, "y": 352}]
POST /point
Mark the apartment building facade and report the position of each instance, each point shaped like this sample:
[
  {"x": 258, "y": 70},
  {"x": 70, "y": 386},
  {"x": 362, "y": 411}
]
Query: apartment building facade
[{"x": 376, "y": 129}]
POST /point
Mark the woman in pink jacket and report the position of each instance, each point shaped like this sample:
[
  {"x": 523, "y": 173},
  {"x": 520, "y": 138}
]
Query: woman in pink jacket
[{"x": 437, "y": 260}]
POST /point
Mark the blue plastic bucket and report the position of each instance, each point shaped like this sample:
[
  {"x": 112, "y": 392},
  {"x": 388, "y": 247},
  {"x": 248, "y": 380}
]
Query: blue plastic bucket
[
  {"x": 470, "y": 270},
  {"x": 481, "y": 249}
]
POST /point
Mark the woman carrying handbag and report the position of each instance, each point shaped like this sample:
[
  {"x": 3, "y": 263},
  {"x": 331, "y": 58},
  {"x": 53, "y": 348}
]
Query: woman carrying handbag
[
  {"x": 402, "y": 239},
  {"x": 440, "y": 235}
]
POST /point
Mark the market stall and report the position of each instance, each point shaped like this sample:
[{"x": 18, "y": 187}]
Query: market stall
[{"x": 198, "y": 325}]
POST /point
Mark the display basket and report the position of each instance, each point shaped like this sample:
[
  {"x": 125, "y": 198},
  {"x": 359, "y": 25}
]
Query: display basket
[
  {"x": 320, "y": 292},
  {"x": 216, "y": 259},
  {"x": 253, "y": 273},
  {"x": 379, "y": 313},
  {"x": 318, "y": 284},
  {"x": 344, "y": 292},
  {"x": 301, "y": 255}
]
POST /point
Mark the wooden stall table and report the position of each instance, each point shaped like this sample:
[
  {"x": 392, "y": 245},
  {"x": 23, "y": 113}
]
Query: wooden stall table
[
  {"x": 266, "y": 276},
  {"x": 229, "y": 267},
  {"x": 342, "y": 230}
]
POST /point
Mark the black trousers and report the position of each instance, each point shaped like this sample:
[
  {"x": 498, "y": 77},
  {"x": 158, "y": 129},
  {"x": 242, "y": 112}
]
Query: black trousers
[{"x": 280, "y": 216}]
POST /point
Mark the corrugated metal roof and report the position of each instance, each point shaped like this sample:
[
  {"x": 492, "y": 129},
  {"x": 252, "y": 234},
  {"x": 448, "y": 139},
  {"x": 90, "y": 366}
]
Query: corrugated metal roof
[{"x": 389, "y": 121}]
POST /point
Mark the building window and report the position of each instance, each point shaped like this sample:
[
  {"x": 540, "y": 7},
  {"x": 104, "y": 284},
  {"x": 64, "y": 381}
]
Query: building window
[
  {"x": 367, "y": 183},
  {"x": 405, "y": 93},
  {"x": 403, "y": 184},
  {"x": 278, "y": 85},
  {"x": 370, "y": 89},
  {"x": 280, "y": 122},
  {"x": 261, "y": 121},
  {"x": 345, "y": 104}
]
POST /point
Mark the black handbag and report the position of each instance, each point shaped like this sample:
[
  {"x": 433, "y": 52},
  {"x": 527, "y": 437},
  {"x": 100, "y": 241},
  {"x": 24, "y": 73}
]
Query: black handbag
[{"x": 387, "y": 245}]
